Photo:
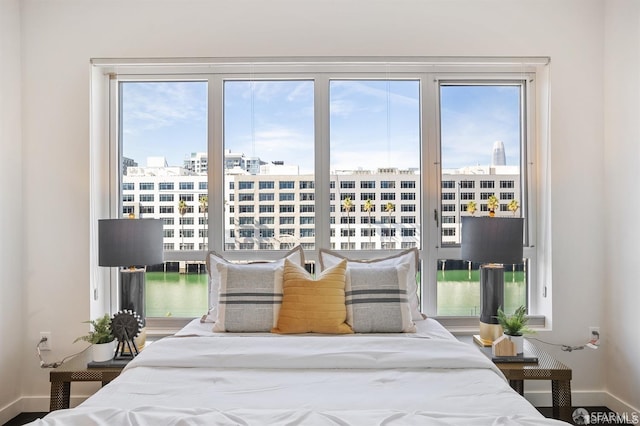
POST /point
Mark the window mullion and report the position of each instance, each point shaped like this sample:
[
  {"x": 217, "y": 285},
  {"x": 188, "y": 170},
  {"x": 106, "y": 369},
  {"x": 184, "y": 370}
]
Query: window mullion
[
  {"x": 322, "y": 149},
  {"x": 430, "y": 193},
  {"x": 215, "y": 141}
]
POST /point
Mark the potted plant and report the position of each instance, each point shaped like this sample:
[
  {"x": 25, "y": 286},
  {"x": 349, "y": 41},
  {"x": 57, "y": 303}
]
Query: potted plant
[
  {"x": 101, "y": 338},
  {"x": 515, "y": 326}
]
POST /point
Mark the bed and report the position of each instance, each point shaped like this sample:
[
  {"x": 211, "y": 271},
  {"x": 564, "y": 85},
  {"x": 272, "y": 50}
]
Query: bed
[
  {"x": 198, "y": 377},
  {"x": 304, "y": 355}
]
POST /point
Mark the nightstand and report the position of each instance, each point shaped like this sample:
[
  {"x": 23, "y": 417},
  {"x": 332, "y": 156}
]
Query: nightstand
[
  {"x": 76, "y": 370},
  {"x": 547, "y": 368}
]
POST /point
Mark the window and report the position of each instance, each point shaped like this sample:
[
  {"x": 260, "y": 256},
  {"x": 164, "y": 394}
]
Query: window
[
  {"x": 267, "y": 233},
  {"x": 266, "y": 220},
  {"x": 269, "y": 184},
  {"x": 408, "y": 196},
  {"x": 407, "y": 207},
  {"x": 408, "y": 232},
  {"x": 392, "y": 134},
  {"x": 388, "y": 196},
  {"x": 376, "y": 120},
  {"x": 364, "y": 196},
  {"x": 498, "y": 107},
  {"x": 306, "y": 233}
]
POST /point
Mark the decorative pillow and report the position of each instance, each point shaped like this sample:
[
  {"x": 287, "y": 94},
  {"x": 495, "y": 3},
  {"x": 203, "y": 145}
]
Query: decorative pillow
[
  {"x": 213, "y": 260},
  {"x": 313, "y": 306},
  {"x": 409, "y": 257},
  {"x": 377, "y": 301},
  {"x": 249, "y": 298}
]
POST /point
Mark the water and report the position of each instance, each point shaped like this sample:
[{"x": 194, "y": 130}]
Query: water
[
  {"x": 171, "y": 294},
  {"x": 459, "y": 292}
]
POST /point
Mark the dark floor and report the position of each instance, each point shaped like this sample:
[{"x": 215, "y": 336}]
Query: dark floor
[{"x": 24, "y": 418}]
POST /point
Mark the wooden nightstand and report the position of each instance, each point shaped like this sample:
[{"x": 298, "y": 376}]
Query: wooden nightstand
[
  {"x": 547, "y": 368},
  {"x": 75, "y": 370}
]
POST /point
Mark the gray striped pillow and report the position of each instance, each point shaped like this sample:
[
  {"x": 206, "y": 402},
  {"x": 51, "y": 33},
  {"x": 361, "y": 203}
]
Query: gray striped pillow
[
  {"x": 377, "y": 299},
  {"x": 249, "y": 297}
]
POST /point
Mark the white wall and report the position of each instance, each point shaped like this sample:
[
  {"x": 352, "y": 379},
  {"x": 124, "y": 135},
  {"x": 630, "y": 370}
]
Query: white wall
[
  {"x": 11, "y": 247},
  {"x": 60, "y": 37},
  {"x": 622, "y": 200}
]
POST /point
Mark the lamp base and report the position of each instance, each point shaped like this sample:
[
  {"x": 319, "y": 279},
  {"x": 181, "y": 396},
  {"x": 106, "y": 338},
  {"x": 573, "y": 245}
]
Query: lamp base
[
  {"x": 488, "y": 333},
  {"x": 132, "y": 298}
]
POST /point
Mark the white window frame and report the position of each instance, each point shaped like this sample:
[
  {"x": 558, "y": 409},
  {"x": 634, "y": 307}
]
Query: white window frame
[{"x": 106, "y": 73}]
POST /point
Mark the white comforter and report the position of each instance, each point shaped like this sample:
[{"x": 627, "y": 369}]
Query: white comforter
[{"x": 424, "y": 378}]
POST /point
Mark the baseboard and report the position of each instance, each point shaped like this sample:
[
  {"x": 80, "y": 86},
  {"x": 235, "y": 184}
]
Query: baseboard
[
  {"x": 32, "y": 404},
  {"x": 11, "y": 410},
  {"x": 583, "y": 399},
  {"x": 578, "y": 398},
  {"x": 620, "y": 406}
]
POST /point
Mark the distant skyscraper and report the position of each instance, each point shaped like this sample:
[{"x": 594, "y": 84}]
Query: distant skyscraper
[{"x": 499, "y": 158}]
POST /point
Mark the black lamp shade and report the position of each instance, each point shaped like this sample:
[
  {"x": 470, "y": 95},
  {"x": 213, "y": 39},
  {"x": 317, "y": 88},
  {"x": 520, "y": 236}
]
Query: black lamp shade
[
  {"x": 492, "y": 239},
  {"x": 130, "y": 242}
]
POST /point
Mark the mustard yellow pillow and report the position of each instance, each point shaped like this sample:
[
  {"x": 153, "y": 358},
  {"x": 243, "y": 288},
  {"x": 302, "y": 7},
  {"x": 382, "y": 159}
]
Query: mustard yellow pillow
[{"x": 313, "y": 306}]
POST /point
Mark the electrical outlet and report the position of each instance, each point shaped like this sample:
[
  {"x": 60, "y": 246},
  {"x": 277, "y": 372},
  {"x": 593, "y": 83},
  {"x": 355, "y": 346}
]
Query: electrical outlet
[
  {"x": 46, "y": 345},
  {"x": 594, "y": 335}
]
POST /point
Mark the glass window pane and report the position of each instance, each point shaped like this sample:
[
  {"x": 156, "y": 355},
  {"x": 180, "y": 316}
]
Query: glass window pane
[
  {"x": 481, "y": 150},
  {"x": 375, "y": 149},
  {"x": 481, "y": 147},
  {"x": 268, "y": 150},
  {"x": 163, "y": 134},
  {"x": 459, "y": 288}
]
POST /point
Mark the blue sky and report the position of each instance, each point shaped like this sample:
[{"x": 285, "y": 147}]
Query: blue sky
[{"x": 373, "y": 123}]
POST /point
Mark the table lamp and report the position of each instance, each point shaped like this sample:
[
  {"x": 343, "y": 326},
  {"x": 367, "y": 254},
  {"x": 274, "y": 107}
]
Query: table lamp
[
  {"x": 491, "y": 241},
  {"x": 130, "y": 244}
]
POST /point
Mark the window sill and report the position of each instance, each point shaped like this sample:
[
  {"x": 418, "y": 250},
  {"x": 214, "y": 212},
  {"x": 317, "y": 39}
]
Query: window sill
[
  {"x": 161, "y": 327},
  {"x": 469, "y": 325}
]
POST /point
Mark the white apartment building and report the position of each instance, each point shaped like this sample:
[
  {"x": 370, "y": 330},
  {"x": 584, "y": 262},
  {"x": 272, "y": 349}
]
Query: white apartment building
[{"x": 275, "y": 207}]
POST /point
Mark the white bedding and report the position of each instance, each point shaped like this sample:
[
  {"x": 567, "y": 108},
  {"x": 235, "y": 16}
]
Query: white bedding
[{"x": 204, "y": 378}]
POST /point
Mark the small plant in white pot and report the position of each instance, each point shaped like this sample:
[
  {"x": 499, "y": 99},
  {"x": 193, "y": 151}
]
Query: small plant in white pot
[
  {"x": 515, "y": 326},
  {"x": 101, "y": 338}
]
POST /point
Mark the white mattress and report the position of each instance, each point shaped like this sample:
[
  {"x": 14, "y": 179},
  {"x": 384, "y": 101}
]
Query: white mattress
[{"x": 202, "y": 378}]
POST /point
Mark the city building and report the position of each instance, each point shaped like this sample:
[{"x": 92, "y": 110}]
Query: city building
[{"x": 274, "y": 208}]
